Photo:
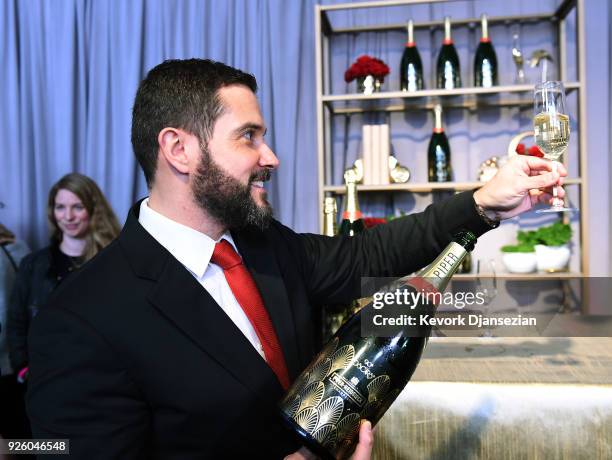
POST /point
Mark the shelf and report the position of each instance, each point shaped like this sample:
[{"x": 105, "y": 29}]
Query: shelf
[
  {"x": 560, "y": 14},
  {"x": 522, "y": 276},
  {"x": 469, "y": 91},
  {"x": 423, "y": 187},
  {"x": 469, "y": 22},
  {"x": 336, "y": 23},
  {"x": 473, "y": 104}
]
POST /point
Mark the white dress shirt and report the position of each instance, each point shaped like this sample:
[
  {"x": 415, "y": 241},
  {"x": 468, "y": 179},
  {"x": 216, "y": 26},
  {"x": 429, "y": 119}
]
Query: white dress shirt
[{"x": 194, "y": 251}]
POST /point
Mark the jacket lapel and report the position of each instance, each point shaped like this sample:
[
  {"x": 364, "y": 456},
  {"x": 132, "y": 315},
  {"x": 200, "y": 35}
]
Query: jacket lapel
[
  {"x": 189, "y": 307},
  {"x": 259, "y": 257}
]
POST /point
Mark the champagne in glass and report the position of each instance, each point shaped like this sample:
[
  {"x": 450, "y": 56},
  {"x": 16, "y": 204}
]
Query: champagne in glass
[
  {"x": 551, "y": 134},
  {"x": 551, "y": 128}
]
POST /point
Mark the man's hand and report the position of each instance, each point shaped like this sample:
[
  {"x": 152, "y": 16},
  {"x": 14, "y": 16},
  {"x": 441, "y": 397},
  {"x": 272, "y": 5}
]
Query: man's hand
[
  {"x": 363, "y": 451},
  {"x": 519, "y": 185}
]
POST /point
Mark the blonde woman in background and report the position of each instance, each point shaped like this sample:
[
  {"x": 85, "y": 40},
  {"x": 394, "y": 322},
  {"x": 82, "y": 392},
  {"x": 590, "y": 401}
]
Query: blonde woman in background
[{"x": 81, "y": 223}]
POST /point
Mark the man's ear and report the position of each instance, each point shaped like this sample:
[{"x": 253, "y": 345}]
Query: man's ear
[{"x": 172, "y": 149}]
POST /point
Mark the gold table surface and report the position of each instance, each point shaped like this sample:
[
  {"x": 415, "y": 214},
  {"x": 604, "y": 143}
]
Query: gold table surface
[{"x": 504, "y": 398}]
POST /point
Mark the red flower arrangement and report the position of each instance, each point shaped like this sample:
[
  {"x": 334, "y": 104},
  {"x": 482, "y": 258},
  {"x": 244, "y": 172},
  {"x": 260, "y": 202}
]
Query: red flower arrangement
[
  {"x": 534, "y": 151},
  {"x": 364, "y": 66},
  {"x": 370, "y": 222}
]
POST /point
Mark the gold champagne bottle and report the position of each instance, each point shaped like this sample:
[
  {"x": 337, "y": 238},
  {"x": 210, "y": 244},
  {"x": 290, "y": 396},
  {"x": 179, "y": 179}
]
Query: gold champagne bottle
[
  {"x": 352, "y": 223},
  {"x": 330, "y": 210}
]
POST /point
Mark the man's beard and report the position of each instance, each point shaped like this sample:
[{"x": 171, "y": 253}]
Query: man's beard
[{"x": 227, "y": 199}]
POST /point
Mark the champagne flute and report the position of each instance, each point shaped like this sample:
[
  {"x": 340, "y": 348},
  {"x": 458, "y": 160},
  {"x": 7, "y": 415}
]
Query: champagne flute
[{"x": 551, "y": 128}]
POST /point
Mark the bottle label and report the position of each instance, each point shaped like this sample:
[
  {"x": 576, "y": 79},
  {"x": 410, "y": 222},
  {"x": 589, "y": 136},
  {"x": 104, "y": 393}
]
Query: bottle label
[
  {"x": 445, "y": 265},
  {"x": 485, "y": 40},
  {"x": 441, "y": 165},
  {"x": 447, "y": 41},
  {"x": 351, "y": 216},
  {"x": 410, "y": 44},
  {"x": 487, "y": 74},
  {"x": 449, "y": 75},
  {"x": 412, "y": 78}
]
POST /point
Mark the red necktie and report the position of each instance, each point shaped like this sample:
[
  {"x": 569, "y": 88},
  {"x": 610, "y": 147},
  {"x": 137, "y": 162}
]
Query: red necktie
[{"x": 242, "y": 285}]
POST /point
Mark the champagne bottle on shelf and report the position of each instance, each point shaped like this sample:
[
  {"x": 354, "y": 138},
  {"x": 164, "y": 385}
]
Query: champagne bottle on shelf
[
  {"x": 485, "y": 61},
  {"x": 332, "y": 316},
  {"x": 448, "y": 73},
  {"x": 358, "y": 376},
  {"x": 352, "y": 223},
  {"x": 411, "y": 68},
  {"x": 329, "y": 216},
  {"x": 438, "y": 152}
]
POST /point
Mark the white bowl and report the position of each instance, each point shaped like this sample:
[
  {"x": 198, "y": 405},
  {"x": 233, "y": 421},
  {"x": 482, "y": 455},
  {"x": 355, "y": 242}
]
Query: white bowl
[
  {"x": 519, "y": 262},
  {"x": 552, "y": 258}
]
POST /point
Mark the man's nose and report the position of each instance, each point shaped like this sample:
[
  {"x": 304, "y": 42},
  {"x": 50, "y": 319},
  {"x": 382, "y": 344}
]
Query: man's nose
[{"x": 267, "y": 158}]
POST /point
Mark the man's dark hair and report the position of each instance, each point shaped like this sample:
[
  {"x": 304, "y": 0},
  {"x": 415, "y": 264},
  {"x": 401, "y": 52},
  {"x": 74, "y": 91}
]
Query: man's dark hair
[{"x": 181, "y": 94}]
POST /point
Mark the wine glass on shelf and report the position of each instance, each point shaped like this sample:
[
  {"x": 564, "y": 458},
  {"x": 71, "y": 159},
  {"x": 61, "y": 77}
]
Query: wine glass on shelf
[
  {"x": 486, "y": 286},
  {"x": 551, "y": 129}
]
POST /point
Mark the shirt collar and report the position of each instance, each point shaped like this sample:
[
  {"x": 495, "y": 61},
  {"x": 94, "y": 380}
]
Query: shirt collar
[{"x": 191, "y": 248}]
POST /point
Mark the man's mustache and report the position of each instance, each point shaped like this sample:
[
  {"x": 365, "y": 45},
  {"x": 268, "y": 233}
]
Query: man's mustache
[{"x": 262, "y": 175}]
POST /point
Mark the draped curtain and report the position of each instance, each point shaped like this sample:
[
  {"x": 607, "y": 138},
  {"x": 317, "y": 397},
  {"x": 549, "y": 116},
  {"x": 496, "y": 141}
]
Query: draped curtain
[{"x": 71, "y": 69}]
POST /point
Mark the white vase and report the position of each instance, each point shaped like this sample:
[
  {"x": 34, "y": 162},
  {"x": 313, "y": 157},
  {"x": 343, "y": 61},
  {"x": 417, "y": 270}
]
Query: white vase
[
  {"x": 519, "y": 262},
  {"x": 552, "y": 258}
]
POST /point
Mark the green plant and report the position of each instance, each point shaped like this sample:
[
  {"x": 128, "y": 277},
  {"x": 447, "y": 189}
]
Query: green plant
[{"x": 556, "y": 234}]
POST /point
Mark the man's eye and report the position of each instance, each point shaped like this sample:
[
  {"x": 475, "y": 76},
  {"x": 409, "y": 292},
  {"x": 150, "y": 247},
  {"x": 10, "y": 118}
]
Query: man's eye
[{"x": 249, "y": 135}]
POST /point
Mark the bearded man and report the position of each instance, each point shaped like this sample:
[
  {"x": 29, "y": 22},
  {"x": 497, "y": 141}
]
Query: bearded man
[{"x": 178, "y": 340}]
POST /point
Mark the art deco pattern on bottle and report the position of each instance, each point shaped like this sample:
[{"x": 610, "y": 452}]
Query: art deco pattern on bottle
[{"x": 356, "y": 377}]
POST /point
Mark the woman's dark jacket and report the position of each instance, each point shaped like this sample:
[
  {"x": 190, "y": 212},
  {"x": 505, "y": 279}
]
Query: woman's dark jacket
[{"x": 38, "y": 275}]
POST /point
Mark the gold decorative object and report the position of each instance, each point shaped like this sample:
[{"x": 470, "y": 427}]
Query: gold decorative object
[
  {"x": 398, "y": 173},
  {"x": 488, "y": 169}
]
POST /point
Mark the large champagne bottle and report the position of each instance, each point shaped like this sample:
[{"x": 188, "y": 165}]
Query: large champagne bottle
[
  {"x": 448, "y": 73},
  {"x": 411, "y": 68},
  {"x": 358, "y": 376},
  {"x": 485, "y": 62},
  {"x": 352, "y": 223},
  {"x": 438, "y": 152}
]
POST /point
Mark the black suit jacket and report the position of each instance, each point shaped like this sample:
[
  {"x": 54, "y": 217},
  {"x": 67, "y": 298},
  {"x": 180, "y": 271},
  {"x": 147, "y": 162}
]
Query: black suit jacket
[{"x": 132, "y": 358}]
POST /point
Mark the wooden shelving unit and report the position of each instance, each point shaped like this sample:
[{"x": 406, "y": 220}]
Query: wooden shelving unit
[
  {"x": 424, "y": 187},
  {"x": 469, "y": 98}
]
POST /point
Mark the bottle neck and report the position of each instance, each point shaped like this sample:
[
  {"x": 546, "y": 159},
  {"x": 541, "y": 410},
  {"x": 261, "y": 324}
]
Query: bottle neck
[
  {"x": 329, "y": 217},
  {"x": 484, "y": 23},
  {"x": 410, "y": 28},
  {"x": 351, "y": 211},
  {"x": 448, "y": 40},
  {"x": 438, "y": 119},
  {"x": 439, "y": 273}
]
